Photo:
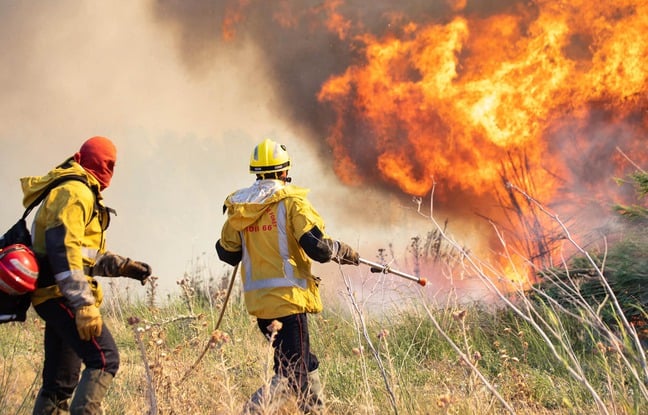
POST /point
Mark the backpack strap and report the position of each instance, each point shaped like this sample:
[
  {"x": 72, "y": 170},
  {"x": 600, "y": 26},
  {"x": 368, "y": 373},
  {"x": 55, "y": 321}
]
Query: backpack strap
[{"x": 51, "y": 186}]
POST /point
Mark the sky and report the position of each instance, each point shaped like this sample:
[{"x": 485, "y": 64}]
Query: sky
[{"x": 72, "y": 70}]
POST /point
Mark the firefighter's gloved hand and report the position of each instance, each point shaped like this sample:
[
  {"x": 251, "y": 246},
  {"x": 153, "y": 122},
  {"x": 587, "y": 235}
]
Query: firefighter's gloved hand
[
  {"x": 346, "y": 255},
  {"x": 107, "y": 265},
  {"x": 113, "y": 265},
  {"x": 136, "y": 270},
  {"x": 88, "y": 322}
]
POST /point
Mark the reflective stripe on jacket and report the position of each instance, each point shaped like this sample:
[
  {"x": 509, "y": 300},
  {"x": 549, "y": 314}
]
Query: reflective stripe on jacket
[
  {"x": 67, "y": 234},
  {"x": 265, "y": 222}
]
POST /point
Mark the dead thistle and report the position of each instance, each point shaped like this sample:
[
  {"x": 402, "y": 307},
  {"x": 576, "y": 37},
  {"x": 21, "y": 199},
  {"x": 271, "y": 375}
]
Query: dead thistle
[
  {"x": 459, "y": 315},
  {"x": 218, "y": 338},
  {"x": 275, "y": 326}
]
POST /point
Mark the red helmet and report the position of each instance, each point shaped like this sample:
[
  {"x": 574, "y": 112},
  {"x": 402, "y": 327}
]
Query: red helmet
[{"x": 18, "y": 270}]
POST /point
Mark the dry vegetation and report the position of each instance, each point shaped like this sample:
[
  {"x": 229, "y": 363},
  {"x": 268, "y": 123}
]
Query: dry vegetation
[
  {"x": 417, "y": 359},
  {"x": 527, "y": 353}
]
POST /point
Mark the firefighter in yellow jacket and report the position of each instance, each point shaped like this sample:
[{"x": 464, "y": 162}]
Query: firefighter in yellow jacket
[
  {"x": 68, "y": 236},
  {"x": 274, "y": 231}
]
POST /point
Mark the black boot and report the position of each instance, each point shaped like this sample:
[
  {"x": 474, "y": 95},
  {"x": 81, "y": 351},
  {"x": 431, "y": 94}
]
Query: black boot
[
  {"x": 314, "y": 402},
  {"x": 92, "y": 388},
  {"x": 268, "y": 398},
  {"x": 47, "y": 403}
]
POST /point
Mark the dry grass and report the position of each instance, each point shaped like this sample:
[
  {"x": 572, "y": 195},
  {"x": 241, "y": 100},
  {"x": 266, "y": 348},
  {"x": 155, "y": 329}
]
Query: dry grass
[
  {"x": 386, "y": 347},
  {"x": 396, "y": 363}
]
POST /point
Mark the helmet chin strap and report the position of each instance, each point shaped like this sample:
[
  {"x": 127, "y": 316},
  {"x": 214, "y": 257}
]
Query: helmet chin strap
[
  {"x": 284, "y": 176},
  {"x": 275, "y": 176}
]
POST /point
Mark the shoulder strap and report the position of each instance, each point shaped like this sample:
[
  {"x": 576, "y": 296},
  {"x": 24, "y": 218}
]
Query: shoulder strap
[{"x": 52, "y": 185}]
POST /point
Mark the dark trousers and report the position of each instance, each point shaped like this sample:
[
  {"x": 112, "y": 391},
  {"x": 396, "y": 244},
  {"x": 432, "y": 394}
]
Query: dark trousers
[
  {"x": 65, "y": 351},
  {"x": 292, "y": 356}
]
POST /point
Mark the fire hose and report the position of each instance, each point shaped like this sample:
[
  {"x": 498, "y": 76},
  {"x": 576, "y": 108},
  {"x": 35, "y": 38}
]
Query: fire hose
[
  {"x": 220, "y": 318},
  {"x": 386, "y": 269}
]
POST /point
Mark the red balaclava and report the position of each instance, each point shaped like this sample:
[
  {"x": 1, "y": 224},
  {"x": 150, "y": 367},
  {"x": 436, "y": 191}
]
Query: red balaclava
[{"x": 98, "y": 155}]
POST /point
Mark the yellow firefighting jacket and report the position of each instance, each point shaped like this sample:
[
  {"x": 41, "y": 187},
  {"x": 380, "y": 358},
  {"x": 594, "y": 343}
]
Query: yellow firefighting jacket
[
  {"x": 265, "y": 222},
  {"x": 67, "y": 235}
]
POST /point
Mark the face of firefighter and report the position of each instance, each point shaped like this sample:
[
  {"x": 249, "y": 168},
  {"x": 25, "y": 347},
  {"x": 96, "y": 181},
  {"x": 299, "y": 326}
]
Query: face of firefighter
[{"x": 98, "y": 156}]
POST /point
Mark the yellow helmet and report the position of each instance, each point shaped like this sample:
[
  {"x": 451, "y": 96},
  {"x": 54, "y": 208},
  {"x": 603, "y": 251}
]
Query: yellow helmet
[{"x": 269, "y": 157}]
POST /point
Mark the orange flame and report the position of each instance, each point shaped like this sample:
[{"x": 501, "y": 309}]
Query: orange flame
[
  {"x": 448, "y": 101},
  {"x": 533, "y": 92},
  {"x": 233, "y": 16}
]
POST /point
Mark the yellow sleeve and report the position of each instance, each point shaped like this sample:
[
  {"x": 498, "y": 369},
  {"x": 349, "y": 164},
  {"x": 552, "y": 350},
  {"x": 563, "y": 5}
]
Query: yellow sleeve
[
  {"x": 68, "y": 209},
  {"x": 230, "y": 238},
  {"x": 303, "y": 217}
]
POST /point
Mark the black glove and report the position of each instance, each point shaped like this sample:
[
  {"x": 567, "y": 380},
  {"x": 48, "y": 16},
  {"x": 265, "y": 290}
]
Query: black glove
[
  {"x": 136, "y": 270},
  {"x": 113, "y": 265},
  {"x": 346, "y": 255}
]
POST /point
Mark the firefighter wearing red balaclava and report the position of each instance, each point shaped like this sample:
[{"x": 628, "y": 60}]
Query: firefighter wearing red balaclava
[
  {"x": 68, "y": 235},
  {"x": 275, "y": 232}
]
